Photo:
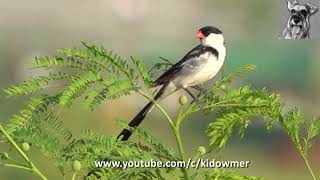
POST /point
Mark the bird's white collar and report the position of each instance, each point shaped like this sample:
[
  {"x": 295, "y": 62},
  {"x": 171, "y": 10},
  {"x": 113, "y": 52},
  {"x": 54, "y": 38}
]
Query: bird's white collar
[{"x": 213, "y": 40}]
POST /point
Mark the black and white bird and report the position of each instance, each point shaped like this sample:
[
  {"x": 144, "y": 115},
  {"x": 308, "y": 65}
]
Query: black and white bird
[{"x": 198, "y": 66}]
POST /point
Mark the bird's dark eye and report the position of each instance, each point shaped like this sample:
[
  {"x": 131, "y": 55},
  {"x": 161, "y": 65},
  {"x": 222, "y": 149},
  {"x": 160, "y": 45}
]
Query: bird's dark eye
[
  {"x": 304, "y": 12},
  {"x": 292, "y": 11}
]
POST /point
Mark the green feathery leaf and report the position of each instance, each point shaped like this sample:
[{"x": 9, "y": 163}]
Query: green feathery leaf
[
  {"x": 78, "y": 87},
  {"x": 120, "y": 88},
  {"x": 238, "y": 73},
  {"x": 36, "y": 84},
  {"x": 160, "y": 150},
  {"x": 32, "y": 109},
  {"x": 146, "y": 76},
  {"x": 96, "y": 95},
  {"x": 237, "y": 106},
  {"x": 115, "y": 60},
  {"x": 57, "y": 61},
  {"x": 226, "y": 175},
  {"x": 97, "y": 62}
]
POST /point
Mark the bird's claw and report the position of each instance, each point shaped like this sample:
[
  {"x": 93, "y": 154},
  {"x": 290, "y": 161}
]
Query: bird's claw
[{"x": 199, "y": 103}]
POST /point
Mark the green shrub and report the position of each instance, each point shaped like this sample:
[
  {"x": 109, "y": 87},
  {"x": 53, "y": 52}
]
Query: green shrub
[{"x": 93, "y": 75}]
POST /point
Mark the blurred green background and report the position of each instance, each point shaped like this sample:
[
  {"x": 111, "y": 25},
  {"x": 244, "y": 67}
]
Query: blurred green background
[{"x": 148, "y": 29}]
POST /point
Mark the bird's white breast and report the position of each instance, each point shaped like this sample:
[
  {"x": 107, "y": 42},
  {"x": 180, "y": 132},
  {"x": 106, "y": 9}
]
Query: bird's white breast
[{"x": 209, "y": 69}]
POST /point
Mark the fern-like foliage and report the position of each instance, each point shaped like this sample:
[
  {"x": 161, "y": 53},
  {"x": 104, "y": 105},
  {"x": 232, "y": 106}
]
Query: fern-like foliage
[
  {"x": 32, "y": 110},
  {"x": 90, "y": 72},
  {"x": 99, "y": 74},
  {"x": 160, "y": 150},
  {"x": 237, "y": 107},
  {"x": 37, "y": 84},
  {"x": 97, "y": 94},
  {"x": 163, "y": 65},
  {"x": 47, "y": 134},
  {"x": 301, "y": 132},
  {"x": 78, "y": 87},
  {"x": 236, "y": 74},
  {"x": 59, "y": 61},
  {"x": 313, "y": 130},
  {"x": 91, "y": 147},
  {"x": 146, "y": 76},
  {"x": 225, "y": 175},
  {"x": 94, "y": 74},
  {"x": 243, "y": 104}
]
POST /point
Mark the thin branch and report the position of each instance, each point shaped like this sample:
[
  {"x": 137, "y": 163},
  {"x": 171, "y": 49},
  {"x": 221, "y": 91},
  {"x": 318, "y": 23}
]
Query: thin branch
[
  {"x": 25, "y": 157},
  {"x": 16, "y": 166},
  {"x": 159, "y": 107},
  {"x": 305, "y": 159},
  {"x": 175, "y": 128}
]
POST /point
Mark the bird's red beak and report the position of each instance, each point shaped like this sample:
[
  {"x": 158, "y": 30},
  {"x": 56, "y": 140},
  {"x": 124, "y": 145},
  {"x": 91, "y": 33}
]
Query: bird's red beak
[{"x": 200, "y": 35}]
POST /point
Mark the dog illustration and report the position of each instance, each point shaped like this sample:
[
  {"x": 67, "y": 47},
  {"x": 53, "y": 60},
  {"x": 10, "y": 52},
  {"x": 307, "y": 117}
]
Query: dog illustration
[{"x": 298, "y": 25}]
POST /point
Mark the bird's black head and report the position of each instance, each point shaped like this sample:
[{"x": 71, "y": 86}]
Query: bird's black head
[{"x": 207, "y": 30}]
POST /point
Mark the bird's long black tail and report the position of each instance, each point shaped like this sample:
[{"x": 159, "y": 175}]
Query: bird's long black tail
[{"x": 135, "y": 122}]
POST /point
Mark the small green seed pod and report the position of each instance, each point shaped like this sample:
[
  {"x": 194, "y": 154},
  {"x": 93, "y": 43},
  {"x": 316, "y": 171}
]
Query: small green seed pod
[
  {"x": 201, "y": 150},
  {"x": 76, "y": 166},
  {"x": 4, "y": 156},
  {"x": 25, "y": 146},
  {"x": 223, "y": 87},
  {"x": 183, "y": 100}
]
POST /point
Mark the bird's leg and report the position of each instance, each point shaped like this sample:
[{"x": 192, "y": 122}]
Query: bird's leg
[
  {"x": 195, "y": 98},
  {"x": 201, "y": 90}
]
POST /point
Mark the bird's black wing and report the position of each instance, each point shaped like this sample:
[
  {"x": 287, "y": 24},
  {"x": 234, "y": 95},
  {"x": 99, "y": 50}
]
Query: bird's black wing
[{"x": 172, "y": 71}]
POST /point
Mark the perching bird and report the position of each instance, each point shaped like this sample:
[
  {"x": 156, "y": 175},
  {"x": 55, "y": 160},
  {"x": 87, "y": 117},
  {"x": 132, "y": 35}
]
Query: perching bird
[{"x": 198, "y": 66}]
